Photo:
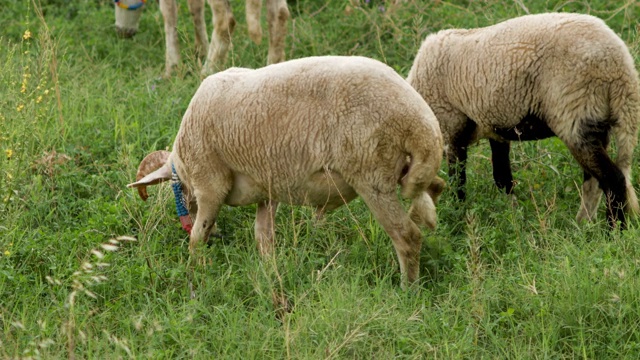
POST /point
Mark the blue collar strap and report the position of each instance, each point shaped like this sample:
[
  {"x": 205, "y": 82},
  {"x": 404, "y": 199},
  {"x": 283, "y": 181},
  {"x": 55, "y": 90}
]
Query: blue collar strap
[
  {"x": 181, "y": 202},
  {"x": 130, "y": 7}
]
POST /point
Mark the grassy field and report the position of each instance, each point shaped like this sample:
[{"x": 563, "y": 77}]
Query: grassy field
[{"x": 88, "y": 270}]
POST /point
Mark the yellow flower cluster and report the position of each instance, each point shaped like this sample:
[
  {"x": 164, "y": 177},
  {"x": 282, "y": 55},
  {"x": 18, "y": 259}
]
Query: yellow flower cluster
[
  {"x": 27, "y": 35},
  {"x": 9, "y": 153},
  {"x": 7, "y": 252},
  {"x": 23, "y": 86}
]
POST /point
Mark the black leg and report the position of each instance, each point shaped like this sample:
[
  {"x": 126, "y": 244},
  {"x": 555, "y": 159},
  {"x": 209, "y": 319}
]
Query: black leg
[
  {"x": 457, "y": 158},
  {"x": 501, "y": 166}
]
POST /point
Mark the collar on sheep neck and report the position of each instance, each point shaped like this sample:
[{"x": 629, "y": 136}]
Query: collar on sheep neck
[
  {"x": 130, "y": 7},
  {"x": 181, "y": 203}
]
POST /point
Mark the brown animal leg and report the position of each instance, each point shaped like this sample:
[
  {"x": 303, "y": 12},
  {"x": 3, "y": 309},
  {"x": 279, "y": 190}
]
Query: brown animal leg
[
  {"x": 172, "y": 48},
  {"x": 253, "y": 8},
  {"x": 223, "y": 26},
  {"x": 196, "y": 8},
  {"x": 277, "y": 15}
]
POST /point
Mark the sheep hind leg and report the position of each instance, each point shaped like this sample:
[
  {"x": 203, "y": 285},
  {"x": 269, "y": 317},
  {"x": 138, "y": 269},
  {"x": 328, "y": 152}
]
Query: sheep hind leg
[
  {"x": 404, "y": 233},
  {"x": 502, "y": 175},
  {"x": 592, "y": 156},
  {"x": 589, "y": 199},
  {"x": 264, "y": 227}
]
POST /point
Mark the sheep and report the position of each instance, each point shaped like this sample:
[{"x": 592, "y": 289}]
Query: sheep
[
  {"x": 128, "y": 15},
  {"x": 533, "y": 77},
  {"x": 316, "y": 131}
]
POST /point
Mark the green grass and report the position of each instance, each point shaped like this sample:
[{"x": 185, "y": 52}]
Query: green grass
[{"x": 500, "y": 279}]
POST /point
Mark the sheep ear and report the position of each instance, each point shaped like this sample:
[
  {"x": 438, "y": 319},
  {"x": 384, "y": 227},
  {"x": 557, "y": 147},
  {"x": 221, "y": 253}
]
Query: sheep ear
[{"x": 153, "y": 170}]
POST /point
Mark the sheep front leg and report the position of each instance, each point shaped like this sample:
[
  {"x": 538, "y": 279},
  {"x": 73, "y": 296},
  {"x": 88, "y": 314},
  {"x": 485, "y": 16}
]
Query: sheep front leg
[
  {"x": 211, "y": 185},
  {"x": 404, "y": 233},
  {"x": 502, "y": 175},
  {"x": 277, "y": 15},
  {"x": 223, "y": 26},
  {"x": 264, "y": 228},
  {"x": 457, "y": 157},
  {"x": 172, "y": 48},
  {"x": 208, "y": 208},
  {"x": 196, "y": 8}
]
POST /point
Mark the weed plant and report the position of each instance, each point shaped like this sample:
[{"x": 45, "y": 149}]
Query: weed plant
[{"x": 79, "y": 108}]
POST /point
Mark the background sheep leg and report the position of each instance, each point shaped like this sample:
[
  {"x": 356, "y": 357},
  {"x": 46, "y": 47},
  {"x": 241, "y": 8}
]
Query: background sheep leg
[
  {"x": 457, "y": 157},
  {"x": 253, "y": 8},
  {"x": 277, "y": 15},
  {"x": 223, "y": 25},
  {"x": 172, "y": 48},
  {"x": 196, "y": 8},
  {"x": 264, "y": 228},
  {"x": 404, "y": 233},
  {"x": 502, "y": 175}
]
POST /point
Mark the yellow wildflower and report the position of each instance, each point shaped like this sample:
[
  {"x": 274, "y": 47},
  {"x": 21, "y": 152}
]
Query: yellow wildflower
[
  {"x": 20, "y": 107},
  {"x": 27, "y": 35},
  {"x": 9, "y": 153},
  {"x": 46, "y": 92},
  {"x": 7, "y": 253},
  {"x": 9, "y": 176},
  {"x": 39, "y": 99}
]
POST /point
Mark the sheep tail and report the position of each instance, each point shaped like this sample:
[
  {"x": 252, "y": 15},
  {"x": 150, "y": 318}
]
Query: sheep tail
[
  {"x": 625, "y": 105},
  {"x": 423, "y": 187}
]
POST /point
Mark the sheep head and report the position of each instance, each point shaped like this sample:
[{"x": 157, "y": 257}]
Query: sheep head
[{"x": 153, "y": 169}]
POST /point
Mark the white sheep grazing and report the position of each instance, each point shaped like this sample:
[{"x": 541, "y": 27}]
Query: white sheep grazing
[
  {"x": 128, "y": 15},
  {"x": 533, "y": 77},
  {"x": 316, "y": 131}
]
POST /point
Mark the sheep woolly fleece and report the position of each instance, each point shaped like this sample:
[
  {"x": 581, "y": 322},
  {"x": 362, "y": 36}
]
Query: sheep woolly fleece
[
  {"x": 315, "y": 131},
  {"x": 570, "y": 70}
]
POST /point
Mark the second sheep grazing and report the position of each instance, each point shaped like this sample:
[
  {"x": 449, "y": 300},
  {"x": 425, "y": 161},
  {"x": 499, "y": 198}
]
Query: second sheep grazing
[
  {"x": 533, "y": 77},
  {"x": 316, "y": 131}
]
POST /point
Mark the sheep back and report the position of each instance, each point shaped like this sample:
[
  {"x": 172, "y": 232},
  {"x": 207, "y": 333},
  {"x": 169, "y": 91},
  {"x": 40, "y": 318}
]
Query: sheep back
[{"x": 555, "y": 66}]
